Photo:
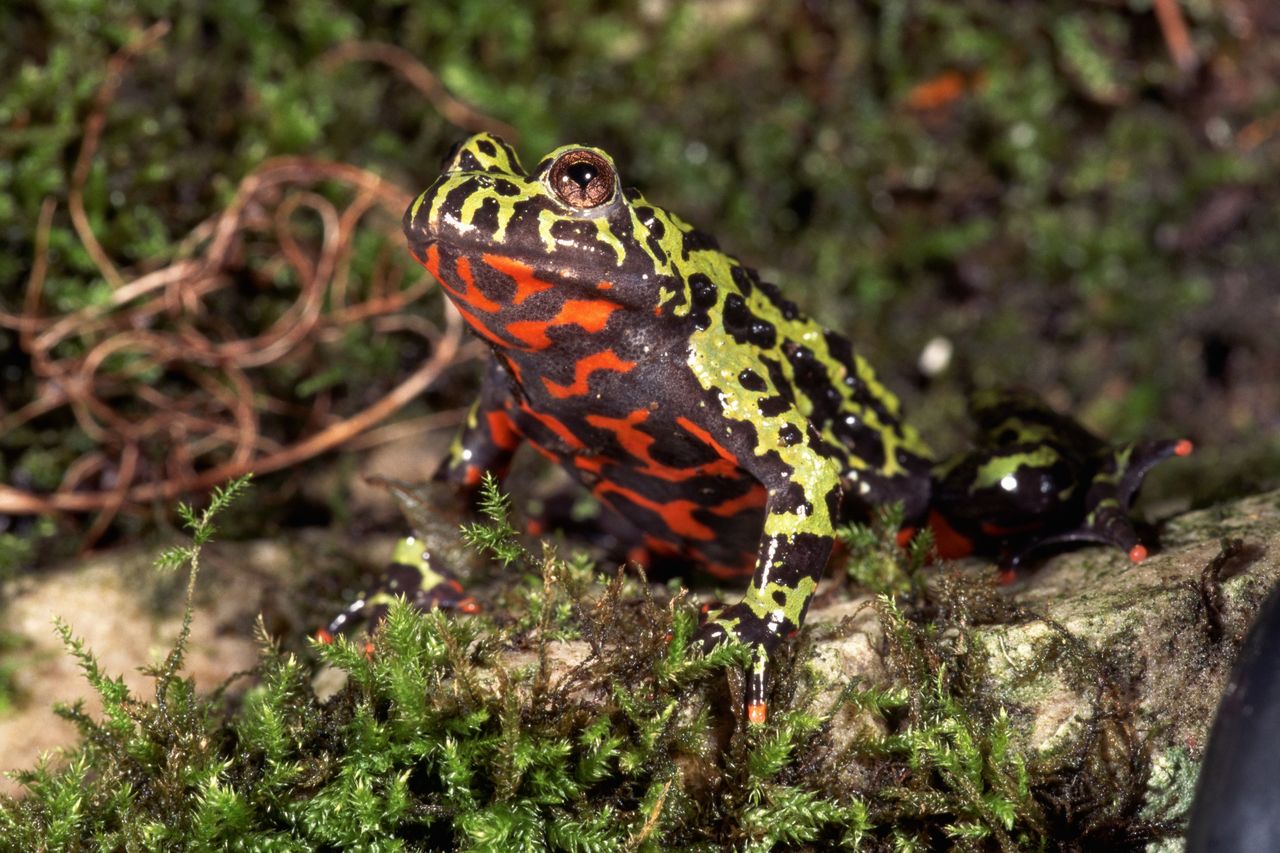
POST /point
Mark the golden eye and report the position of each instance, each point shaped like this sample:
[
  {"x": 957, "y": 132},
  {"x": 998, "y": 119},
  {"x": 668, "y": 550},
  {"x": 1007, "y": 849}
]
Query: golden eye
[{"x": 582, "y": 179}]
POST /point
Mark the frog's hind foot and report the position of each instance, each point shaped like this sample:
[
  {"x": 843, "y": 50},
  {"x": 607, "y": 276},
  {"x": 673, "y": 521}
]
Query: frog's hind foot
[
  {"x": 1112, "y": 491},
  {"x": 413, "y": 575}
]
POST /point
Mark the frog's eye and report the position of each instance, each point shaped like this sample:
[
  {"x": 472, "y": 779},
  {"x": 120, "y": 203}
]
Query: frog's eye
[{"x": 582, "y": 179}]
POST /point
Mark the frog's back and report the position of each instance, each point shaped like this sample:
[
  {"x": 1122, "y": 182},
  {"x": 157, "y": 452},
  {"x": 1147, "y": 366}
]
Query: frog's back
[{"x": 765, "y": 358}]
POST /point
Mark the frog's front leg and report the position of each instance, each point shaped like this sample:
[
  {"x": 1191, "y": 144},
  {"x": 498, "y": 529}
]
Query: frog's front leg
[
  {"x": 487, "y": 441},
  {"x": 804, "y": 495}
]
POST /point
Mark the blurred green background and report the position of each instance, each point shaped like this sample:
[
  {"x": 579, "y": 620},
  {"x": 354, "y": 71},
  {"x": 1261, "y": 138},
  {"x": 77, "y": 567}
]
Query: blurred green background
[{"x": 1037, "y": 185}]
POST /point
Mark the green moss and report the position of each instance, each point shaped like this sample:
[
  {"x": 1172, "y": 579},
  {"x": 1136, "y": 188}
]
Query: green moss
[{"x": 442, "y": 738}]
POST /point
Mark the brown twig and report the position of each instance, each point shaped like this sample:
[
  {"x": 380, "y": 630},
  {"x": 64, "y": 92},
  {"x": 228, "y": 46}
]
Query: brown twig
[
  {"x": 1177, "y": 38},
  {"x": 93, "y": 128},
  {"x": 126, "y": 340},
  {"x": 422, "y": 79}
]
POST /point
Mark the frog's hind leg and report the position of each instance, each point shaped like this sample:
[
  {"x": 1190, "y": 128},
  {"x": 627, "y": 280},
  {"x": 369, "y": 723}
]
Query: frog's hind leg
[
  {"x": 1036, "y": 479},
  {"x": 1112, "y": 490},
  {"x": 411, "y": 574}
]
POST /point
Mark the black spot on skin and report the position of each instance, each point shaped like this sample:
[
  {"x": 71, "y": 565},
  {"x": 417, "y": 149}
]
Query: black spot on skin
[
  {"x": 577, "y": 231},
  {"x": 834, "y": 499},
  {"x": 866, "y": 443},
  {"x": 790, "y": 435},
  {"x": 779, "y": 598},
  {"x": 658, "y": 252},
  {"x": 840, "y": 348},
  {"x": 702, "y": 290},
  {"x": 632, "y": 194},
  {"x": 745, "y": 279},
  {"x": 789, "y": 498},
  {"x": 697, "y": 241},
  {"x": 646, "y": 215},
  {"x": 752, "y": 381},
  {"x": 812, "y": 380},
  {"x": 504, "y": 187},
  {"x": 763, "y": 334},
  {"x": 785, "y": 306},
  {"x": 486, "y": 218},
  {"x": 402, "y": 577},
  {"x": 771, "y": 407},
  {"x": 820, "y": 445},
  {"x": 737, "y": 318},
  {"x": 702, "y": 295},
  {"x": 468, "y": 162},
  {"x": 487, "y": 148}
]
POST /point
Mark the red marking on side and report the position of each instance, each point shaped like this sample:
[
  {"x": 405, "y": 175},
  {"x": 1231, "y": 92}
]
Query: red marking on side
[
  {"x": 753, "y": 498},
  {"x": 502, "y": 430},
  {"x": 1138, "y": 553},
  {"x": 905, "y": 535},
  {"x": 556, "y": 426},
  {"x": 527, "y": 284},
  {"x": 472, "y": 295},
  {"x": 676, "y": 515},
  {"x": 757, "y": 713},
  {"x": 659, "y": 546},
  {"x": 605, "y": 285},
  {"x": 432, "y": 261},
  {"x": 727, "y": 572},
  {"x": 481, "y": 329},
  {"x": 590, "y": 314},
  {"x": 606, "y": 360},
  {"x": 1184, "y": 447},
  {"x": 472, "y": 476},
  {"x": 950, "y": 542},
  {"x": 705, "y": 437},
  {"x": 1006, "y": 577},
  {"x": 638, "y": 445},
  {"x": 546, "y": 454}
]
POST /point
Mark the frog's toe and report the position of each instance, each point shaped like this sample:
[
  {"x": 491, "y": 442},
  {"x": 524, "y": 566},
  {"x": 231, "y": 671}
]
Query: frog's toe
[
  {"x": 448, "y": 594},
  {"x": 737, "y": 622}
]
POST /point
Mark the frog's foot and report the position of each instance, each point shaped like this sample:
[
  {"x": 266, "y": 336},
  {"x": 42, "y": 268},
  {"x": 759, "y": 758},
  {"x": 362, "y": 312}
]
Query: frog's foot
[
  {"x": 413, "y": 575},
  {"x": 739, "y": 622},
  {"x": 1110, "y": 496}
]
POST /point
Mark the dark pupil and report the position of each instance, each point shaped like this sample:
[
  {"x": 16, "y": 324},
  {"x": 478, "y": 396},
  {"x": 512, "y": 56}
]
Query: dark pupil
[{"x": 581, "y": 173}]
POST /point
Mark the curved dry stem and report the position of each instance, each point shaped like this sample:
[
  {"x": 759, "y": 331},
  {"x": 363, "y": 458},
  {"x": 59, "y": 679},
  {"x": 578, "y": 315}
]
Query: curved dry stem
[{"x": 421, "y": 78}]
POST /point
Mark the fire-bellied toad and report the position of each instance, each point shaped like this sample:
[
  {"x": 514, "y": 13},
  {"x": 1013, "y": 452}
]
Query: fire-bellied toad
[{"x": 704, "y": 408}]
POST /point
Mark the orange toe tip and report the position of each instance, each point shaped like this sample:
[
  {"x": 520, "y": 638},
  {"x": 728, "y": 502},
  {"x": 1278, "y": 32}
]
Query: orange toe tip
[
  {"x": 368, "y": 650},
  {"x": 1138, "y": 553},
  {"x": 469, "y": 606},
  {"x": 1184, "y": 447},
  {"x": 1006, "y": 577},
  {"x": 324, "y": 637},
  {"x": 757, "y": 713}
]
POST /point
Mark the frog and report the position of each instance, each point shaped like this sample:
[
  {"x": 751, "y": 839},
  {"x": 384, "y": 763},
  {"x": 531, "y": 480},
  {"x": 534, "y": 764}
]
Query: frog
[{"x": 704, "y": 411}]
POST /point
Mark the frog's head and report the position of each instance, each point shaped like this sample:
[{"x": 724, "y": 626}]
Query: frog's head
[{"x": 531, "y": 259}]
